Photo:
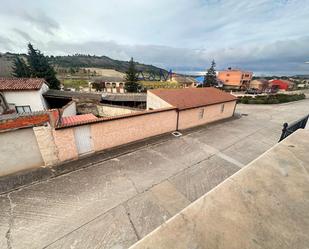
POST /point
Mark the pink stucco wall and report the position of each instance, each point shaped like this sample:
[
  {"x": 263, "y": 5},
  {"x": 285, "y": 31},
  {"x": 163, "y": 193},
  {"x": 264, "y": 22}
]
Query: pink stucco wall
[
  {"x": 65, "y": 142},
  {"x": 192, "y": 117},
  {"x": 121, "y": 131},
  {"x": 117, "y": 131}
]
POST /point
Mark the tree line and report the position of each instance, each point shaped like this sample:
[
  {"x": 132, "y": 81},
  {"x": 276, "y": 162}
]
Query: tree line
[{"x": 36, "y": 65}]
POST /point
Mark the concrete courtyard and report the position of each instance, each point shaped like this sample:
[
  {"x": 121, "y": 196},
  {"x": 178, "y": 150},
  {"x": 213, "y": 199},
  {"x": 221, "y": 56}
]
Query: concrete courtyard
[{"x": 115, "y": 203}]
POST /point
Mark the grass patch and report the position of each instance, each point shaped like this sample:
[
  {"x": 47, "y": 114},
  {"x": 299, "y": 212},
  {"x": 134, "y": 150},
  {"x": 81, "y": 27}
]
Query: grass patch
[
  {"x": 74, "y": 83},
  {"x": 159, "y": 84},
  {"x": 271, "y": 99}
]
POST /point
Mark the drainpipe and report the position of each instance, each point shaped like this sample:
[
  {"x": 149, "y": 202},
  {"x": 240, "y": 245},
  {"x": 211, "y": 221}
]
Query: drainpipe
[{"x": 177, "y": 119}]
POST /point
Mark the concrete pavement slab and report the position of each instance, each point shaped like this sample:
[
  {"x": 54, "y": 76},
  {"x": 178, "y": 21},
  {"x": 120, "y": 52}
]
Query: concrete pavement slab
[
  {"x": 145, "y": 213},
  {"x": 112, "y": 230},
  {"x": 182, "y": 151},
  {"x": 40, "y": 210},
  {"x": 5, "y": 221},
  {"x": 169, "y": 197},
  {"x": 147, "y": 167},
  {"x": 247, "y": 149},
  {"x": 199, "y": 179}
]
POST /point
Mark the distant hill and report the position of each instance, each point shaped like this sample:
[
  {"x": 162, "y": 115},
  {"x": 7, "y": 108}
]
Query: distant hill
[{"x": 77, "y": 61}]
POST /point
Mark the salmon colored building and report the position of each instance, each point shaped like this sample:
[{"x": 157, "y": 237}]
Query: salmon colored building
[
  {"x": 235, "y": 79},
  {"x": 195, "y": 106}
]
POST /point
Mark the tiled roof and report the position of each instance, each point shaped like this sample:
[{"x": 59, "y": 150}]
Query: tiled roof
[
  {"x": 16, "y": 121},
  {"x": 193, "y": 97},
  {"x": 51, "y": 93},
  {"x": 15, "y": 84},
  {"x": 78, "y": 119},
  {"x": 139, "y": 97}
]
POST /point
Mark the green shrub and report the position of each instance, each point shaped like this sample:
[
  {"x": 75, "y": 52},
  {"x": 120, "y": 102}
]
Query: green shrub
[{"x": 271, "y": 99}]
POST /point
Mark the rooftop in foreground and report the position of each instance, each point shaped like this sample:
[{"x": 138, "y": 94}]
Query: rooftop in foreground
[
  {"x": 15, "y": 84},
  {"x": 264, "y": 205}
]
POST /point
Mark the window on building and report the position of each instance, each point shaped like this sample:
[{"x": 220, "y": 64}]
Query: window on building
[
  {"x": 201, "y": 113},
  {"x": 226, "y": 80},
  {"x": 222, "y": 108},
  {"x": 228, "y": 75},
  {"x": 23, "y": 108}
]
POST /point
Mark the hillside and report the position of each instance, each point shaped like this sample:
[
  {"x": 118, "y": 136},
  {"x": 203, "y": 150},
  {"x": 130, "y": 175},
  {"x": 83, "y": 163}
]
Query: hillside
[{"x": 77, "y": 61}]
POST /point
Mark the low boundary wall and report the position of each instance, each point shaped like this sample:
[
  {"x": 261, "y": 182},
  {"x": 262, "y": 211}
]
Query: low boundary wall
[
  {"x": 66, "y": 142},
  {"x": 110, "y": 132}
]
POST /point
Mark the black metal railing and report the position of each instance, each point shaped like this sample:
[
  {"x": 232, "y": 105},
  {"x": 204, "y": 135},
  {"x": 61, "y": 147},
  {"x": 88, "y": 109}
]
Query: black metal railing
[{"x": 288, "y": 129}]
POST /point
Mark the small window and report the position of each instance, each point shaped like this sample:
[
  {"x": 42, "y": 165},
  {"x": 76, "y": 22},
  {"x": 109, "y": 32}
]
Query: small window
[
  {"x": 23, "y": 109},
  {"x": 201, "y": 114},
  {"x": 228, "y": 75},
  {"x": 226, "y": 80},
  {"x": 222, "y": 108}
]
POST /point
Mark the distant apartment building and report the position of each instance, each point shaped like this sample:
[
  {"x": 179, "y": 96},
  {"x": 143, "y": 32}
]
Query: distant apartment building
[{"x": 235, "y": 78}]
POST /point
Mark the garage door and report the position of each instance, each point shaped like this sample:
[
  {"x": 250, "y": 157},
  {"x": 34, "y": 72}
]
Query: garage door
[{"x": 83, "y": 139}]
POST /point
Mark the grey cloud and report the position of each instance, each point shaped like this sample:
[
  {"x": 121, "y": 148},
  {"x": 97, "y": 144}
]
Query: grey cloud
[
  {"x": 6, "y": 43},
  {"x": 40, "y": 20},
  {"x": 281, "y": 55},
  {"x": 23, "y": 34}
]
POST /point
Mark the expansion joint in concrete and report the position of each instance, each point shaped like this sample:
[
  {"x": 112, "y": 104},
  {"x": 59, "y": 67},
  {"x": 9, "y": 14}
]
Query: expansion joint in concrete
[{"x": 8, "y": 234}]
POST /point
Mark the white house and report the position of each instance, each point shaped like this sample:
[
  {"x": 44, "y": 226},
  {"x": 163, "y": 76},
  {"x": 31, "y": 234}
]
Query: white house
[{"x": 22, "y": 95}]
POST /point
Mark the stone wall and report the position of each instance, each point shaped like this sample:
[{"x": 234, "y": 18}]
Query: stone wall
[{"x": 46, "y": 145}]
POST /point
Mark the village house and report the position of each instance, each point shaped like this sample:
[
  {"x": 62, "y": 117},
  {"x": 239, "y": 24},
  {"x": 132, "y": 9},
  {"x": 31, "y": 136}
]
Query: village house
[
  {"x": 184, "y": 81},
  {"x": 22, "y": 95},
  {"x": 109, "y": 84},
  {"x": 260, "y": 84},
  {"x": 235, "y": 78},
  {"x": 196, "y": 106},
  {"x": 283, "y": 85}
]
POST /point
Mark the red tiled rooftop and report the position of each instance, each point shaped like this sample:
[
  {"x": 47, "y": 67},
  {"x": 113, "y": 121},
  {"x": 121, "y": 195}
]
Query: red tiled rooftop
[
  {"x": 77, "y": 119},
  {"x": 193, "y": 97},
  {"x": 15, "y": 84}
]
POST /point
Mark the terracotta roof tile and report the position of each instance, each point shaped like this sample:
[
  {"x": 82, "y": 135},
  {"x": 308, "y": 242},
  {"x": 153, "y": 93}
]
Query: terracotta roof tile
[
  {"x": 15, "y": 84},
  {"x": 78, "y": 119},
  {"x": 193, "y": 97}
]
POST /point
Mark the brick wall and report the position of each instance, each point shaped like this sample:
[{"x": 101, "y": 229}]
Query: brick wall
[{"x": 24, "y": 121}]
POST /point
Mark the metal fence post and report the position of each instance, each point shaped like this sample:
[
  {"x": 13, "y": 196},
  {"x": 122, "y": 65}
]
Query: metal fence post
[{"x": 285, "y": 126}]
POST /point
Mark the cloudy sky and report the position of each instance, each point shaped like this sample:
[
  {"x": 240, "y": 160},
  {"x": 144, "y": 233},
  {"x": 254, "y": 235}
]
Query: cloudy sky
[{"x": 258, "y": 35}]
